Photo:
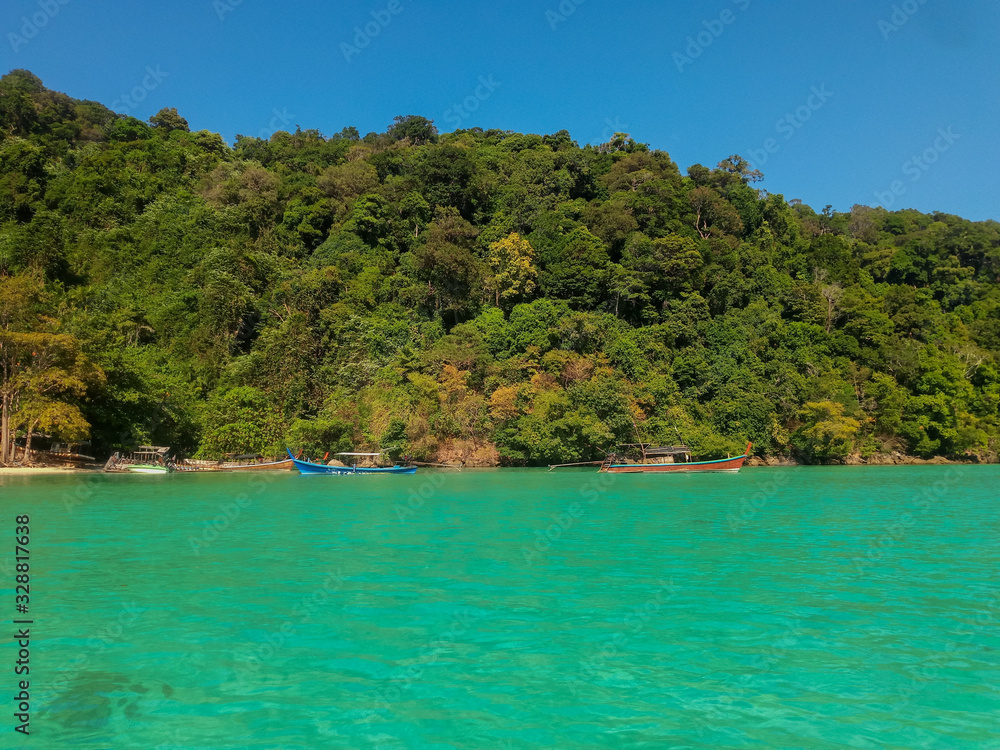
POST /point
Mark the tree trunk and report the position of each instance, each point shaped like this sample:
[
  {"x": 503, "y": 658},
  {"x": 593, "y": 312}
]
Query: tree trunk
[
  {"x": 5, "y": 431},
  {"x": 27, "y": 444},
  {"x": 697, "y": 224}
]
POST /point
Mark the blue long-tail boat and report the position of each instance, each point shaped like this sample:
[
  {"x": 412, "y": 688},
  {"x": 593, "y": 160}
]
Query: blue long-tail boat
[{"x": 310, "y": 467}]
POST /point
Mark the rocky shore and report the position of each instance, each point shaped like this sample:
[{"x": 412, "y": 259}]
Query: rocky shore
[{"x": 882, "y": 459}]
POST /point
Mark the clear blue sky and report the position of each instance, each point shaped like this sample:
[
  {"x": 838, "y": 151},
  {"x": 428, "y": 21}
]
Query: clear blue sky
[{"x": 606, "y": 66}]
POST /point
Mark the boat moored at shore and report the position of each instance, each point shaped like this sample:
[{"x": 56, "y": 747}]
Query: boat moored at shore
[
  {"x": 146, "y": 459},
  {"x": 670, "y": 460},
  {"x": 362, "y": 463},
  {"x": 250, "y": 462}
]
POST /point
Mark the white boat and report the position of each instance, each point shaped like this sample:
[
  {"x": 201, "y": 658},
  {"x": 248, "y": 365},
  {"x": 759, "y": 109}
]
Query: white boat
[
  {"x": 147, "y": 459},
  {"x": 147, "y": 469}
]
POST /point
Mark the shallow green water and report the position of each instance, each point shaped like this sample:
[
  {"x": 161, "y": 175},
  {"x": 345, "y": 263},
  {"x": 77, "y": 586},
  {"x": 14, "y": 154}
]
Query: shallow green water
[{"x": 805, "y": 608}]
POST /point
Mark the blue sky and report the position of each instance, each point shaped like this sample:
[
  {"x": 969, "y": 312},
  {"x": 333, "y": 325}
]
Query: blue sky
[{"x": 833, "y": 101}]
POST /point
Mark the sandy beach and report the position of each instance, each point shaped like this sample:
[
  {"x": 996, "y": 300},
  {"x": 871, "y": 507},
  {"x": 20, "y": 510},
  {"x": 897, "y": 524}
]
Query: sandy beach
[{"x": 24, "y": 471}]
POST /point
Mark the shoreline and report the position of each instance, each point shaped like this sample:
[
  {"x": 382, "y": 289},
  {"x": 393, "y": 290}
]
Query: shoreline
[{"x": 754, "y": 463}]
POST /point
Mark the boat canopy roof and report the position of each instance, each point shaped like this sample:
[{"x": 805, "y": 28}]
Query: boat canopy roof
[
  {"x": 659, "y": 450},
  {"x": 357, "y": 454},
  {"x": 669, "y": 450}
]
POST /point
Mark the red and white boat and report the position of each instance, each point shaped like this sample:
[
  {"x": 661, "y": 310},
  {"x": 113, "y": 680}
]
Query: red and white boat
[{"x": 671, "y": 460}]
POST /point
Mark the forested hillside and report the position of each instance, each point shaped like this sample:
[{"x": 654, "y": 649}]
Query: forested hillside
[{"x": 503, "y": 297}]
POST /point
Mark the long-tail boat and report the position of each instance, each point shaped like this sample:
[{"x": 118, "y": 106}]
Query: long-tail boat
[
  {"x": 672, "y": 459},
  {"x": 257, "y": 463},
  {"x": 232, "y": 462},
  {"x": 340, "y": 467}
]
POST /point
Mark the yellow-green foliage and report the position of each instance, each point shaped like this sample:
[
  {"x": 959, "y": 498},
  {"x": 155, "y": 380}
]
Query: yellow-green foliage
[{"x": 827, "y": 433}]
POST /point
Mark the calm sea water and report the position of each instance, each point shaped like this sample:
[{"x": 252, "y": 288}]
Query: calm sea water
[{"x": 778, "y": 608}]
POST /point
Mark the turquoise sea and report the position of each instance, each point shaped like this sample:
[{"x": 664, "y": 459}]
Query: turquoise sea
[{"x": 777, "y": 608}]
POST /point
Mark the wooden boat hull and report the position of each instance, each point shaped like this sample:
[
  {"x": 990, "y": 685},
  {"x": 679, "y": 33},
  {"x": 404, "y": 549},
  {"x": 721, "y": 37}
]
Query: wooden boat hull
[
  {"x": 190, "y": 465},
  {"x": 308, "y": 467},
  {"x": 723, "y": 466}
]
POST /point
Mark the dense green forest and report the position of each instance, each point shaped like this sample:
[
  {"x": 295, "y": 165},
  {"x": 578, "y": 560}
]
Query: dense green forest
[{"x": 496, "y": 296}]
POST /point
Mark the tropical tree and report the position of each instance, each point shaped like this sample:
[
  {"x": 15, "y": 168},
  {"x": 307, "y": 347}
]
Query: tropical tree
[
  {"x": 167, "y": 121},
  {"x": 826, "y": 433},
  {"x": 41, "y": 372},
  {"x": 513, "y": 270},
  {"x": 418, "y": 130}
]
